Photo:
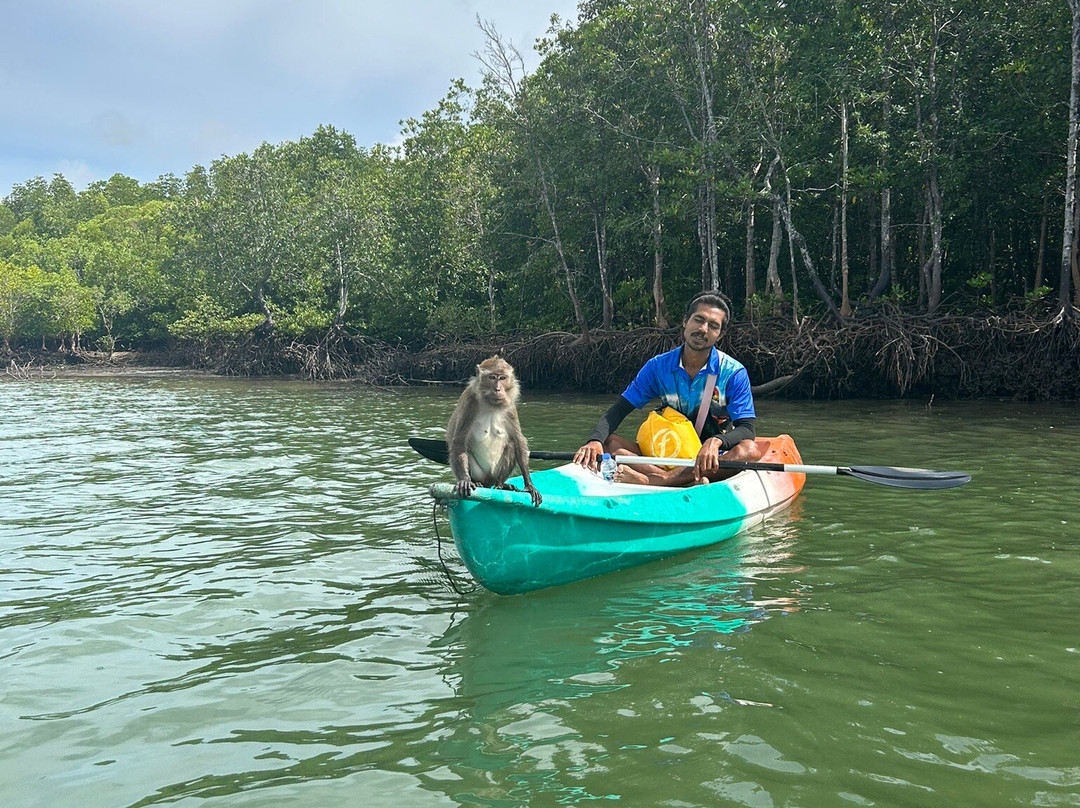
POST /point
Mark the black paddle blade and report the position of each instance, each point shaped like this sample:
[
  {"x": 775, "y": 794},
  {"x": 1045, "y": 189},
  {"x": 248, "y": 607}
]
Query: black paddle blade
[
  {"x": 438, "y": 451},
  {"x": 431, "y": 449},
  {"x": 923, "y": 479}
]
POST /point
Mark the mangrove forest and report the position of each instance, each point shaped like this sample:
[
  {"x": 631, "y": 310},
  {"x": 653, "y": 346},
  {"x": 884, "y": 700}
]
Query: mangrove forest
[{"x": 886, "y": 191}]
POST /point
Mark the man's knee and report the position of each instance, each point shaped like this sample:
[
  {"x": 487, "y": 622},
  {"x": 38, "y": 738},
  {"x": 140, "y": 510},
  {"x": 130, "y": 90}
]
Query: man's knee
[
  {"x": 747, "y": 450},
  {"x": 616, "y": 444}
]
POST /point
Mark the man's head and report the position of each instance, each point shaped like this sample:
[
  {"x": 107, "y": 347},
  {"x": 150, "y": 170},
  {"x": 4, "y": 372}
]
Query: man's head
[{"x": 705, "y": 317}]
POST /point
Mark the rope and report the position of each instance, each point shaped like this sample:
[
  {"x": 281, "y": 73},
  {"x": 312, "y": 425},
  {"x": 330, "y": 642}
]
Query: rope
[{"x": 442, "y": 562}]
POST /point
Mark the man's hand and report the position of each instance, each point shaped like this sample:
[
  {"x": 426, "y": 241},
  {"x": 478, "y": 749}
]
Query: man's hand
[
  {"x": 708, "y": 459},
  {"x": 589, "y": 454}
]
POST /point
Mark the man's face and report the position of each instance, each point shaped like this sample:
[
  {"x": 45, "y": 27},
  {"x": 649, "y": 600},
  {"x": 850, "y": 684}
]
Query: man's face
[{"x": 702, "y": 328}]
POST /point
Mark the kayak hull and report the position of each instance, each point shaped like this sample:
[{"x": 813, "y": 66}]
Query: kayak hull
[{"x": 587, "y": 527}]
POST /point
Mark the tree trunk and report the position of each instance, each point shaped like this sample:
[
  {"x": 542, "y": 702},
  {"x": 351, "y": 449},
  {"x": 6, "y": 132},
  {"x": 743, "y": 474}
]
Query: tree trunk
[
  {"x": 797, "y": 240},
  {"x": 845, "y": 302},
  {"x": 1040, "y": 256},
  {"x": 267, "y": 324},
  {"x": 772, "y": 275},
  {"x": 571, "y": 289},
  {"x": 928, "y": 129},
  {"x": 708, "y": 135},
  {"x": 652, "y": 173},
  {"x": 794, "y": 281},
  {"x": 751, "y": 208},
  {"x": 481, "y": 233},
  {"x": 710, "y": 264},
  {"x": 504, "y": 63},
  {"x": 748, "y": 267},
  {"x": 1068, "y": 237},
  {"x": 1075, "y": 264},
  {"x": 993, "y": 266},
  {"x": 933, "y": 266},
  {"x": 834, "y": 245},
  {"x": 600, "y": 234},
  {"x": 885, "y": 275},
  {"x": 872, "y": 256},
  {"x": 884, "y": 278},
  {"x": 924, "y": 228},
  {"x": 343, "y": 288}
]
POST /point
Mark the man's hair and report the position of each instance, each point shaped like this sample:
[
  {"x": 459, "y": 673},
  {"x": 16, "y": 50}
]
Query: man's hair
[{"x": 711, "y": 299}]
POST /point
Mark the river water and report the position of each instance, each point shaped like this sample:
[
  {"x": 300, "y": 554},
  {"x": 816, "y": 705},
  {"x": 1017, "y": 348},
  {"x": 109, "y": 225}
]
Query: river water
[{"x": 227, "y": 593}]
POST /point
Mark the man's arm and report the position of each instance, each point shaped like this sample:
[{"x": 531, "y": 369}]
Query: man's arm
[
  {"x": 589, "y": 454},
  {"x": 743, "y": 429},
  {"x": 611, "y": 419}
]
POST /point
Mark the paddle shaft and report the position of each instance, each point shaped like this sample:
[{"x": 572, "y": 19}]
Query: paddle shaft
[
  {"x": 731, "y": 464},
  {"x": 925, "y": 479},
  {"x": 689, "y": 461}
]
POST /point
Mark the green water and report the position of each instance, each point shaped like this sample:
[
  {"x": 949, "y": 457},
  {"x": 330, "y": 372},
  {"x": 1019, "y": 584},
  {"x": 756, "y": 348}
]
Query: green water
[{"x": 227, "y": 593}]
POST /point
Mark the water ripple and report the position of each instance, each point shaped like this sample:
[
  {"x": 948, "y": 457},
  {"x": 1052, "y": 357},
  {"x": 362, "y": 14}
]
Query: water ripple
[{"x": 229, "y": 590}]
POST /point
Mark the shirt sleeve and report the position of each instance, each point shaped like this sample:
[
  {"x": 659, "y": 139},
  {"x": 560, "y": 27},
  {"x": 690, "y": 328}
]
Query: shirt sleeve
[
  {"x": 740, "y": 401},
  {"x": 611, "y": 420},
  {"x": 644, "y": 388},
  {"x": 744, "y": 429}
]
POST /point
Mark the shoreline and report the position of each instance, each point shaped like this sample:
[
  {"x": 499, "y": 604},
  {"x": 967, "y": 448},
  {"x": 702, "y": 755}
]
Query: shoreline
[
  {"x": 46, "y": 365},
  {"x": 883, "y": 357}
]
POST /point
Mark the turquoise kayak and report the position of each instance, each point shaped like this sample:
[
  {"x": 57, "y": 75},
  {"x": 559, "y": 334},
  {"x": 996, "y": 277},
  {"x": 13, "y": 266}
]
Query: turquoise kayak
[{"x": 587, "y": 526}]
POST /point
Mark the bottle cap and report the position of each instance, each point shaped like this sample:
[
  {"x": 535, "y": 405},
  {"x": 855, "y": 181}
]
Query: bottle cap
[{"x": 606, "y": 456}]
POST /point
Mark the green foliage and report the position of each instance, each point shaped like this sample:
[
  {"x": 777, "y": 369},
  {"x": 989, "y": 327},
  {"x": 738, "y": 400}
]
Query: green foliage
[
  {"x": 208, "y": 320},
  {"x": 19, "y": 290},
  {"x": 761, "y": 304},
  {"x": 1037, "y": 298},
  {"x": 646, "y": 123},
  {"x": 633, "y": 302},
  {"x": 306, "y": 319},
  {"x": 458, "y": 321}
]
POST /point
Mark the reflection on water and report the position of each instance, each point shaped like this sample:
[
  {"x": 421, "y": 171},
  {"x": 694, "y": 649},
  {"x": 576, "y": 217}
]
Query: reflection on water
[
  {"x": 526, "y": 666},
  {"x": 558, "y": 644},
  {"x": 229, "y": 591}
]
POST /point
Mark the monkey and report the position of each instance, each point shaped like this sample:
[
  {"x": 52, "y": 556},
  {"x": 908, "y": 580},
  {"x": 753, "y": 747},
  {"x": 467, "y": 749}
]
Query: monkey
[{"x": 484, "y": 435}]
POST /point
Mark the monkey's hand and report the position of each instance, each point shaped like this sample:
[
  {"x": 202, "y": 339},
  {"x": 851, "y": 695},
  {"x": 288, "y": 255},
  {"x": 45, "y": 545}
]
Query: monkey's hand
[
  {"x": 536, "y": 498},
  {"x": 464, "y": 488}
]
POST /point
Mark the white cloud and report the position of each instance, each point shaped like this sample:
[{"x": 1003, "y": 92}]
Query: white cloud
[
  {"x": 78, "y": 173},
  {"x": 145, "y": 87}
]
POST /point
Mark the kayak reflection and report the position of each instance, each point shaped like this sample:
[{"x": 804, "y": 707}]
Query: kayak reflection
[
  {"x": 542, "y": 645},
  {"x": 533, "y": 673}
]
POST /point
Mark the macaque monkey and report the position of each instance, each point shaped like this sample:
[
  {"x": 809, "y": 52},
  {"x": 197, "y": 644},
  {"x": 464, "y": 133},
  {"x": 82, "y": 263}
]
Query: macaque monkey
[{"x": 484, "y": 435}]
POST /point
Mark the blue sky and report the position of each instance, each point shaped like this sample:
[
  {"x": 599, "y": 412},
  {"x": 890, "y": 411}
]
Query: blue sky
[{"x": 148, "y": 87}]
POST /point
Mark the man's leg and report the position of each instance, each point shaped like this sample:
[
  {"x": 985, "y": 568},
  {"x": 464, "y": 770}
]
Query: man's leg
[{"x": 617, "y": 444}]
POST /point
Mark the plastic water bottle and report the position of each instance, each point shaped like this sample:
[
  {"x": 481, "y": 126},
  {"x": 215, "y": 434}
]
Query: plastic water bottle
[{"x": 608, "y": 467}]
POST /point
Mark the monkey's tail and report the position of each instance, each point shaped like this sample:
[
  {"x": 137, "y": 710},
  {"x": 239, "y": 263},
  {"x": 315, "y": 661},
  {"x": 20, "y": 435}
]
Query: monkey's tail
[{"x": 435, "y": 505}]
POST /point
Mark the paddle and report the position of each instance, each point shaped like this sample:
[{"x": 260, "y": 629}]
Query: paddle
[{"x": 920, "y": 479}]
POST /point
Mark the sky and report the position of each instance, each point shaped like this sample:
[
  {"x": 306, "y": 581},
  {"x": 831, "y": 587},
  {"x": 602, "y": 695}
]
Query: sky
[{"x": 149, "y": 87}]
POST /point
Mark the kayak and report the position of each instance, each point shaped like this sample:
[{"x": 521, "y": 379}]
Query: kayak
[{"x": 587, "y": 526}]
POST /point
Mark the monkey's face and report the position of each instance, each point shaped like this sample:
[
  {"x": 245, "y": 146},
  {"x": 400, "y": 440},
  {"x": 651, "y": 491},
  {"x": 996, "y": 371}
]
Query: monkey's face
[{"x": 495, "y": 386}]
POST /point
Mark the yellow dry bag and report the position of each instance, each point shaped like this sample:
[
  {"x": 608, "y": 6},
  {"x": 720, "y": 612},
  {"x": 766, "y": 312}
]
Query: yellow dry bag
[{"x": 668, "y": 433}]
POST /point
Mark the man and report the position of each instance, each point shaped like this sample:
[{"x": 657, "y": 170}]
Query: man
[{"x": 679, "y": 379}]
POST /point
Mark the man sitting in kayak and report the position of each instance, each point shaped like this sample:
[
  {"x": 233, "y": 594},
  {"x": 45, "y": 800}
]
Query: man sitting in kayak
[{"x": 680, "y": 378}]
